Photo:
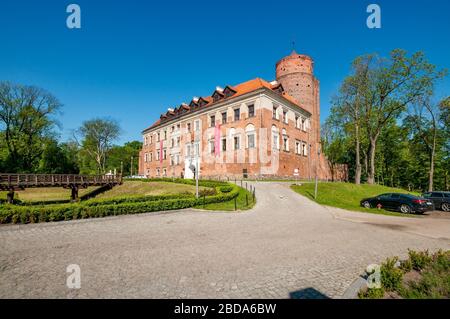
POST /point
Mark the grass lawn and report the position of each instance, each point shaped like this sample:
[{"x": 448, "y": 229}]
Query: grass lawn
[
  {"x": 348, "y": 195},
  {"x": 134, "y": 188},
  {"x": 43, "y": 194},
  {"x": 241, "y": 203}
]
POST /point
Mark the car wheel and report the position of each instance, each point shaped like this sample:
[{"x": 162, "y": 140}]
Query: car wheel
[
  {"x": 445, "y": 207},
  {"x": 405, "y": 209},
  {"x": 366, "y": 204}
]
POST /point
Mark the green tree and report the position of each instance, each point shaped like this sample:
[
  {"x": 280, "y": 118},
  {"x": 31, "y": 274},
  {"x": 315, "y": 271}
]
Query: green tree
[
  {"x": 26, "y": 122},
  {"x": 95, "y": 138}
]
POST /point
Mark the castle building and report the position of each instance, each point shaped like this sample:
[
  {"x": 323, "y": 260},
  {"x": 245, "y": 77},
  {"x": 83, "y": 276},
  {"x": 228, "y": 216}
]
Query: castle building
[{"x": 255, "y": 129}]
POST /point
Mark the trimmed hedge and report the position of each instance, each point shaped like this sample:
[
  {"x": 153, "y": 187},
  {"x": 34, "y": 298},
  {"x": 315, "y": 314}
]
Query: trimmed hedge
[
  {"x": 107, "y": 207},
  {"x": 201, "y": 182}
]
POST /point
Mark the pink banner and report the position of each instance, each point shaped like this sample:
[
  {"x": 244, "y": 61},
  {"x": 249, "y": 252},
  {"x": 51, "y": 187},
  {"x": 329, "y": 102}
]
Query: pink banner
[
  {"x": 161, "y": 151},
  {"x": 217, "y": 140}
]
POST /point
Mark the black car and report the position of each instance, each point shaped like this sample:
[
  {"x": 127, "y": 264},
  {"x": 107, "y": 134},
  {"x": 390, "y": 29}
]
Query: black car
[
  {"x": 404, "y": 203},
  {"x": 441, "y": 200}
]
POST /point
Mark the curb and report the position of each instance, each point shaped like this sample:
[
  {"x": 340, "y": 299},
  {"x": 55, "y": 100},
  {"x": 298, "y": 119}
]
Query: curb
[{"x": 354, "y": 288}]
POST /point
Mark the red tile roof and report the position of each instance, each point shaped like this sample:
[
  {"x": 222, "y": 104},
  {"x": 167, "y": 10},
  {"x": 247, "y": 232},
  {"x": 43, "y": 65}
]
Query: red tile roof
[{"x": 240, "y": 89}]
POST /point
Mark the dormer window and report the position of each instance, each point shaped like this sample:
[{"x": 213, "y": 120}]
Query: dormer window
[
  {"x": 217, "y": 96},
  {"x": 202, "y": 102},
  {"x": 228, "y": 91}
]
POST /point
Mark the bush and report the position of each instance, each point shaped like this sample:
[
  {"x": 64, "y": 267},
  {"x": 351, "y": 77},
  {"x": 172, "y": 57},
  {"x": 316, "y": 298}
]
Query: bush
[
  {"x": 226, "y": 189},
  {"x": 371, "y": 293},
  {"x": 419, "y": 260},
  {"x": 391, "y": 276},
  {"x": 406, "y": 265}
]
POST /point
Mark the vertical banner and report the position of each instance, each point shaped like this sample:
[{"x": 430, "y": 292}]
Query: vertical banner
[
  {"x": 161, "y": 151},
  {"x": 217, "y": 140}
]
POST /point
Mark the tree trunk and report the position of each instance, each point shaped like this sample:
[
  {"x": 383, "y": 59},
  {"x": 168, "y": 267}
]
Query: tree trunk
[
  {"x": 431, "y": 173},
  {"x": 371, "y": 151},
  {"x": 357, "y": 157}
]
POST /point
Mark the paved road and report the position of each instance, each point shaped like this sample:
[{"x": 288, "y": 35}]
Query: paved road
[{"x": 286, "y": 247}]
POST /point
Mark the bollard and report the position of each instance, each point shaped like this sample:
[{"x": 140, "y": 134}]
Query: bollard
[
  {"x": 235, "y": 203},
  {"x": 246, "y": 199},
  {"x": 241, "y": 182},
  {"x": 254, "y": 195}
]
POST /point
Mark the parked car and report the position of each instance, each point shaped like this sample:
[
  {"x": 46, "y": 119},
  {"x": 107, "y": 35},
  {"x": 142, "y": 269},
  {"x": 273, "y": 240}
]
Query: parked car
[
  {"x": 404, "y": 203},
  {"x": 441, "y": 200}
]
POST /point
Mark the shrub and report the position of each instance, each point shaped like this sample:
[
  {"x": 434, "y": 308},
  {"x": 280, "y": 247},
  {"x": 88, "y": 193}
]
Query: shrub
[
  {"x": 371, "y": 293},
  {"x": 391, "y": 276},
  {"x": 419, "y": 260},
  {"x": 406, "y": 265},
  {"x": 226, "y": 189}
]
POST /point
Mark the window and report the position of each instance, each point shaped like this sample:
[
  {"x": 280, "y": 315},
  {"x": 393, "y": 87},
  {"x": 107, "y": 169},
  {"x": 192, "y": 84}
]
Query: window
[
  {"x": 157, "y": 172},
  {"x": 172, "y": 142},
  {"x": 157, "y": 155},
  {"x": 285, "y": 118},
  {"x": 212, "y": 121},
  {"x": 212, "y": 146},
  {"x": 178, "y": 141},
  {"x": 275, "y": 138},
  {"x": 298, "y": 147},
  {"x": 251, "y": 140},
  {"x": 151, "y": 139},
  {"x": 158, "y": 138},
  {"x": 197, "y": 125},
  {"x": 188, "y": 150},
  {"x": 251, "y": 110},
  {"x": 165, "y": 134},
  {"x": 440, "y": 195},
  {"x": 177, "y": 159},
  {"x": 145, "y": 157},
  {"x": 297, "y": 124},
  {"x": 151, "y": 157},
  {"x": 285, "y": 143},
  {"x": 236, "y": 143},
  {"x": 237, "y": 114},
  {"x": 304, "y": 149},
  {"x": 164, "y": 172},
  {"x": 145, "y": 140},
  {"x": 224, "y": 117},
  {"x": 164, "y": 154},
  {"x": 224, "y": 144},
  {"x": 274, "y": 113},
  {"x": 188, "y": 126},
  {"x": 172, "y": 161}
]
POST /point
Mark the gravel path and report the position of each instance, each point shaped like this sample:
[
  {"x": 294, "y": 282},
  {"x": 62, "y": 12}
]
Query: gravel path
[{"x": 287, "y": 246}]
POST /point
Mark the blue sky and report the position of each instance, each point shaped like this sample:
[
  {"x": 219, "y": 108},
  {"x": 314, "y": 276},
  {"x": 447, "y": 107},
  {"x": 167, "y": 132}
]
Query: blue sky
[{"x": 133, "y": 59}]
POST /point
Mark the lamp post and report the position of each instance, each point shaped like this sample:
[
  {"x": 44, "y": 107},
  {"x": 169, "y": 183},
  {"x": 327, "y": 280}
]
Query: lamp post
[
  {"x": 317, "y": 164},
  {"x": 197, "y": 157},
  {"x": 131, "y": 167}
]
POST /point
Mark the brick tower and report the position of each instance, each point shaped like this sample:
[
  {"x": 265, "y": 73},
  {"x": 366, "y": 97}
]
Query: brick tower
[{"x": 296, "y": 75}]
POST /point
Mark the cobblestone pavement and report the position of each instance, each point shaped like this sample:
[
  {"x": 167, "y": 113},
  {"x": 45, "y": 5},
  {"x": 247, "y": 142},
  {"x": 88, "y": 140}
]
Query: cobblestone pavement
[{"x": 286, "y": 247}]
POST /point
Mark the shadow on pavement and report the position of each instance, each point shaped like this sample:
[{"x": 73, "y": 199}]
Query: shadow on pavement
[{"x": 307, "y": 293}]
